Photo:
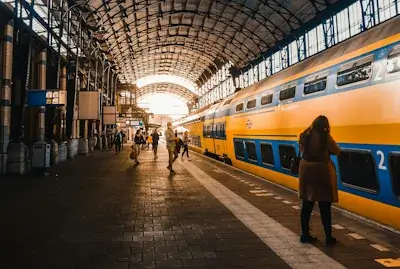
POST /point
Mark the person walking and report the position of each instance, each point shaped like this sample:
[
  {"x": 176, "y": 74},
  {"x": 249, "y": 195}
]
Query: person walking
[
  {"x": 139, "y": 141},
  {"x": 186, "y": 145},
  {"x": 155, "y": 137},
  {"x": 317, "y": 177},
  {"x": 171, "y": 139},
  {"x": 118, "y": 142}
]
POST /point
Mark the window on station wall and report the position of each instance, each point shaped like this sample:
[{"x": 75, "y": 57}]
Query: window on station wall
[
  {"x": 355, "y": 72},
  {"x": 357, "y": 170},
  {"x": 239, "y": 107},
  {"x": 251, "y": 103},
  {"x": 251, "y": 150},
  {"x": 393, "y": 61},
  {"x": 267, "y": 99},
  {"x": 267, "y": 154},
  {"x": 239, "y": 149},
  {"x": 288, "y": 92},
  {"x": 286, "y": 154},
  {"x": 227, "y": 102},
  {"x": 394, "y": 167},
  {"x": 316, "y": 83}
]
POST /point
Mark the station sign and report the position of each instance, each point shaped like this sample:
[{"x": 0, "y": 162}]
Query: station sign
[{"x": 50, "y": 97}]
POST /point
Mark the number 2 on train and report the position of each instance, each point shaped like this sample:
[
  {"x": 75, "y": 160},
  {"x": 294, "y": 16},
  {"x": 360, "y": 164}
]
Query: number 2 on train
[{"x": 382, "y": 160}]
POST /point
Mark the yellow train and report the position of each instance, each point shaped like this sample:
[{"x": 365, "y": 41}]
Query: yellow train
[{"x": 356, "y": 84}]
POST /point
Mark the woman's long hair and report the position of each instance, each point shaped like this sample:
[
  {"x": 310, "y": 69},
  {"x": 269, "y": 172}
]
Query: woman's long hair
[
  {"x": 138, "y": 132},
  {"x": 322, "y": 127}
]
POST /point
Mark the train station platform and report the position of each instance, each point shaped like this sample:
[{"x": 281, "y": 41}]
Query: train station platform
[{"x": 103, "y": 211}]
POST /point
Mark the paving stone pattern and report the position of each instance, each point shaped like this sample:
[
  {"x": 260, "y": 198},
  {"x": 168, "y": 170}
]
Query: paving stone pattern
[
  {"x": 350, "y": 252},
  {"x": 101, "y": 211}
]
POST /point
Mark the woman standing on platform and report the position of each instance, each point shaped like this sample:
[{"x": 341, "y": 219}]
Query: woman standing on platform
[{"x": 317, "y": 177}]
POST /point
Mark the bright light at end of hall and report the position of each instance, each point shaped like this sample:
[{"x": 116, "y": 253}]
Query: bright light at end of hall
[
  {"x": 166, "y": 78},
  {"x": 165, "y": 104}
]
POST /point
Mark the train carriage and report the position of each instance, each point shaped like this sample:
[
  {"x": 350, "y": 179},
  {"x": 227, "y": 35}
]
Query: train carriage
[{"x": 356, "y": 84}]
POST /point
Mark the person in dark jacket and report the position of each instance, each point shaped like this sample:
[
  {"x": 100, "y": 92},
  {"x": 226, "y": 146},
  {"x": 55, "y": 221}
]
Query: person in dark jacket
[
  {"x": 139, "y": 141},
  {"x": 155, "y": 138},
  {"x": 317, "y": 177}
]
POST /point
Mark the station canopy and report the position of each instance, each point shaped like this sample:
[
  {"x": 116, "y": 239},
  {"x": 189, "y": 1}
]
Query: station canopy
[{"x": 192, "y": 39}]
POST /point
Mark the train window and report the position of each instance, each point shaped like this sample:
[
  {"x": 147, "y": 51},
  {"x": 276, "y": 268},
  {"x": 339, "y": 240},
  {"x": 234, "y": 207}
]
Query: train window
[
  {"x": 286, "y": 154},
  {"x": 216, "y": 130},
  {"x": 287, "y": 92},
  {"x": 251, "y": 150},
  {"x": 394, "y": 166},
  {"x": 266, "y": 99},
  {"x": 393, "y": 61},
  {"x": 251, "y": 104},
  {"x": 209, "y": 130},
  {"x": 357, "y": 71},
  {"x": 227, "y": 102},
  {"x": 239, "y": 107},
  {"x": 204, "y": 130},
  {"x": 267, "y": 154},
  {"x": 315, "y": 83},
  {"x": 239, "y": 149},
  {"x": 357, "y": 169}
]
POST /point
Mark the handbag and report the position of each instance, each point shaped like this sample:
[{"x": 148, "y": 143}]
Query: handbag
[{"x": 295, "y": 164}]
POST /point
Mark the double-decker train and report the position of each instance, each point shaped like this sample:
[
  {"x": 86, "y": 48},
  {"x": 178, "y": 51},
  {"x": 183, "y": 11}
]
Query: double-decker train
[{"x": 356, "y": 84}]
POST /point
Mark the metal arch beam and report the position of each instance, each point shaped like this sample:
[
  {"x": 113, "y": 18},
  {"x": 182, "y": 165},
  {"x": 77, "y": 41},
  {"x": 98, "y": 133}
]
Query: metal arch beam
[
  {"x": 180, "y": 91},
  {"x": 171, "y": 13},
  {"x": 154, "y": 30},
  {"x": 288, "y": 12},
  {"x": 167, "y": 65},
  {"x": 227, "y": 4}
]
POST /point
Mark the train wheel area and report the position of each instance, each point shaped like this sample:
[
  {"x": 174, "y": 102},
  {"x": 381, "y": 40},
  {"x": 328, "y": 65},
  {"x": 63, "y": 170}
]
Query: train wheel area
[{"x": 104, "y": 211}]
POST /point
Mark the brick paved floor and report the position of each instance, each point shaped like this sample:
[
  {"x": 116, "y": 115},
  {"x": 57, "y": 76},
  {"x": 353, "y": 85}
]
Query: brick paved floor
[{"x": 101, "y": 211}]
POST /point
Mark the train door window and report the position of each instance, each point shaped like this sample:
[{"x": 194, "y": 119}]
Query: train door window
[
  {"x": 251, "y": 150},
  {"x": 286, "y": 154},
  {"x": 239, "y": 149},
  {"x": 287, "y": 92},
  {"x": 394, "y": 166},
  {"x": 267, "y": 154},
  {"x": 251, "y": 103},
  {"x": 357, "y": 169},
  {"x": 239, "y": 107},
  {"x": 358, "y": 71},
  {"x": 216, "y": 130},
  {"x": 204, "y": 130},
  {"x": 393, "y": 61},
  {"x": 266, "y": 99},
  {"x": 316, "y": 83},
  {"x": 223, "y": 135}
]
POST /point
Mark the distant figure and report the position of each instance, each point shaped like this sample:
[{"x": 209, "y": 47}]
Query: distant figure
[
  {"x": 155, "y": 138},
  {"x": 317, "y": 177},
  {"x": 176, "y": 133},
  {"x": 139, "y": 141},
  {"x": 186, "y": 145},
  {"x": 171, "y": 139},
  {"x": 118, "y": 142}
]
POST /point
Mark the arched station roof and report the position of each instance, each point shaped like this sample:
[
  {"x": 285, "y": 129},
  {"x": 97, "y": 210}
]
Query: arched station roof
[
  {"x": 193, "y": 38},
  {"x": 166, "y": 88}
]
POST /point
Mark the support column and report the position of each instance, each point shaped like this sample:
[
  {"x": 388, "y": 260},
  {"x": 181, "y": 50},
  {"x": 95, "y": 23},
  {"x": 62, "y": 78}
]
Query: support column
[
  {"x": 62, "y": 147},
  {"x": 42, "y": 86},
  {"x": 5, "y": 95}
]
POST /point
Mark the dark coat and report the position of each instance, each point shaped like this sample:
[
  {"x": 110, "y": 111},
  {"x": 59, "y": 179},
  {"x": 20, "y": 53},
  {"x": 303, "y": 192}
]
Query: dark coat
[{"x": 317, "y": 173}]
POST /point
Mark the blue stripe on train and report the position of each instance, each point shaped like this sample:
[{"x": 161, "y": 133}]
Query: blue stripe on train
[{"x": 380, "y": 154}]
